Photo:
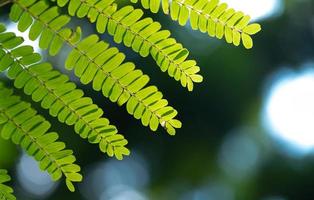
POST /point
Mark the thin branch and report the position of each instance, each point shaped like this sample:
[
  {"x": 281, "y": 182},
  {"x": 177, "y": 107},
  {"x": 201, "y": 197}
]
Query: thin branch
[{"x": 5, "y": 2}]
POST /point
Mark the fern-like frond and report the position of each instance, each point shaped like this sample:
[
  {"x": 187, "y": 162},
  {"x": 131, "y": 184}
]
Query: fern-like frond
[
  {"x": 142, "y": 35},
  {"x": 59, "y": 95},
  {"x": 45, "y": 23},
  {"x": 20, "y": 123},
  {"x": 209, "y": 16},
  {"x": 6, "y": 192},
  {"x": 95, "y": 62}
]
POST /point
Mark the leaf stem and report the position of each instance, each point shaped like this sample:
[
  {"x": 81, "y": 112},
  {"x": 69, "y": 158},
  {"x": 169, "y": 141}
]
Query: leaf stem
[{"x": 5, "y": 2}]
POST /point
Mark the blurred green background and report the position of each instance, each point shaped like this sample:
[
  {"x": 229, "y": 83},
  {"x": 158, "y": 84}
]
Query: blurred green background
[{"x": 248, "y": 129}]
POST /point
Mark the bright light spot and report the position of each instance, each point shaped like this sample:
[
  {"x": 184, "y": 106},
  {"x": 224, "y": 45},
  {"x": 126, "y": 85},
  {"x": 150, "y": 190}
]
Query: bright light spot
[
  {"x": 239, "y": 154},
  {"x": 289, "y": 110},
  {"x": 121, "y": 192},
  {"x": 12, "y": 27},
  {"x": 257, "y": 9},
  {"x": 212, "y": 191},
  {"x": 115, "y": 180},
  {"x": 34, "y": 181}
]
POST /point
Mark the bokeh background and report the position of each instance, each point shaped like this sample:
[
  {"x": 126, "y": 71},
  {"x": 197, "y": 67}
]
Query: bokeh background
[{"x": 248, "y": 129}]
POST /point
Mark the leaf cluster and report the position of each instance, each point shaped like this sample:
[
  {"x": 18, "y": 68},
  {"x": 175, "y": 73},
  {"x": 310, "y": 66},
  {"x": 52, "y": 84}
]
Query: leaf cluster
[{"x": 94, "y": 62}]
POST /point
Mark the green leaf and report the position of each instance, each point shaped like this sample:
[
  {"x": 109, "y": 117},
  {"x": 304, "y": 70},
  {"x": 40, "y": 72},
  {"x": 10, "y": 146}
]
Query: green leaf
[
  {"x": 6, "y": 192},
  {"x": 70, "y": 185},
  {"x": 142, "y": 35},
  {"x": 209, "y": 16},
  {"x": 247, "y": 41},
  {"x": 252, "y": 29},
  {"x": 30, "y": 131}
]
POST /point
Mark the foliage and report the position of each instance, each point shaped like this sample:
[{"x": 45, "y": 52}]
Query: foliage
[
  {"x": 20, "y": 123},
  {"x": 5, "y": 191},
  {"x": 208, "y": 16},
  {"x": 142, "y": 35},
  {"x": 58, "y": 94},
  {"x": 95, "y": 62}
]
